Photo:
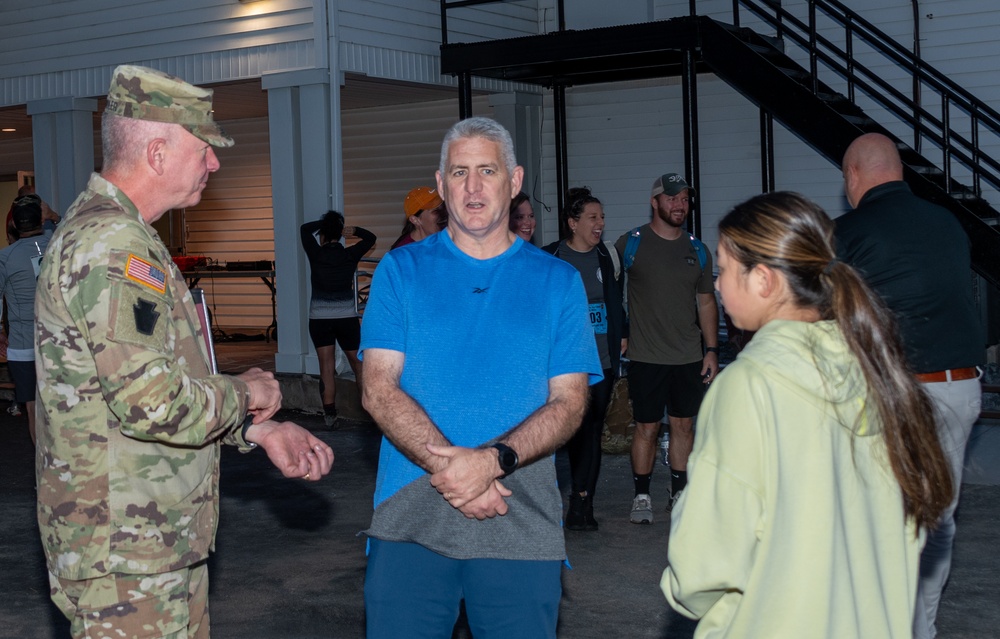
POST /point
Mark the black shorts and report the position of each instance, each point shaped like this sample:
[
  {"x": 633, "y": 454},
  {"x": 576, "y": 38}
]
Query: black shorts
[
  {"x": 23, "y": 376},
  {"x": 345, "y": 331},
  {"x": 651, "y": 387}
]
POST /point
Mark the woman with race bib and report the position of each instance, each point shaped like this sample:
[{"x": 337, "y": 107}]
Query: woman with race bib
[{"x": 583, "y": 222}]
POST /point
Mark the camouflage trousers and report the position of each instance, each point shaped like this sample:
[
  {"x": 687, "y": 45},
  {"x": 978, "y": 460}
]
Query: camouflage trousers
[{"x": 169, "y": 605}]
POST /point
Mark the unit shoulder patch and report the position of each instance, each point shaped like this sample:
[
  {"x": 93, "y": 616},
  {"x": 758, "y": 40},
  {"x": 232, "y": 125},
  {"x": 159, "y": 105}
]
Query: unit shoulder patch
[{"x": 138, "y": 318}]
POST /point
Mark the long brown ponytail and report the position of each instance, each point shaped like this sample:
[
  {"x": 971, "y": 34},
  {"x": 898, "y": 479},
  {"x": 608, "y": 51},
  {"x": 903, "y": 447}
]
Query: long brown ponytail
[{"x": 788, "y": 233}]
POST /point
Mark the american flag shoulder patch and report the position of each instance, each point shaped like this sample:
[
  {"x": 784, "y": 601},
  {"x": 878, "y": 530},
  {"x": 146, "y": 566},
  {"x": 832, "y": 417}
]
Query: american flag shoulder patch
[{"x": 141, "y": 271}]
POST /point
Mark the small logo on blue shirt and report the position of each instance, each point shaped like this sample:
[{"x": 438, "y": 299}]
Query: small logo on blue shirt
[{"x": 480, "y": 290}]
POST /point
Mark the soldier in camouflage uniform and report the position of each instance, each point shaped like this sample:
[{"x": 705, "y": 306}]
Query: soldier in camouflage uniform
[{"x": 129, "y": 416}]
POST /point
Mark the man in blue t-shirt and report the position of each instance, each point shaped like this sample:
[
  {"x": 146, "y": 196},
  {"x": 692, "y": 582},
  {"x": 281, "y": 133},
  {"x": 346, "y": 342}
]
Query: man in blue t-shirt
[{"x": 473, "y": 374}]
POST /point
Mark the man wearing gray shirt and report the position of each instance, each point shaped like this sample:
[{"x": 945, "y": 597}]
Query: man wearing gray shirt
[{"x": 672, "y": 316}]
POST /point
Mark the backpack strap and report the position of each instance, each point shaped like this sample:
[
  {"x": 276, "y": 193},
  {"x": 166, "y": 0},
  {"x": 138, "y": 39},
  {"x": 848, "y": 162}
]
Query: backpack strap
[
  {"x": 631, "y": 246},
  {"x": 613, "y": 254},
  {"x": 699, "y": 248}
]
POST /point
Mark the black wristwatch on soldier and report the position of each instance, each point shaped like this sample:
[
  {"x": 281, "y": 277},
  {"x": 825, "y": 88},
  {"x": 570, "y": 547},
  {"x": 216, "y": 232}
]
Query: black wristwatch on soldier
[
  {"x": 247, "y": 423},
  {"x": 507, "y": 459}
]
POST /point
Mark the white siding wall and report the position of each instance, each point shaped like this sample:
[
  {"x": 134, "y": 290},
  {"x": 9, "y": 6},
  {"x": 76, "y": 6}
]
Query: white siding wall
[
  {"x": 415, "y": 25},
  {"x": 622, "y": 136},
  {"x": 234, "y": 222},
  {"x": 798, "y": 167},
  {"x": 618, "y": 137},
  {"x": 69, "y": 48},
  {"x": 401, "y": 39},
  {"x": 588, "y": 14}
]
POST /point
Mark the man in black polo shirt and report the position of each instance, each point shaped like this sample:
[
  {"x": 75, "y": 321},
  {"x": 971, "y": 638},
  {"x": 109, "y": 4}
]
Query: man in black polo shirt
[{"x": 916, "y": 256}]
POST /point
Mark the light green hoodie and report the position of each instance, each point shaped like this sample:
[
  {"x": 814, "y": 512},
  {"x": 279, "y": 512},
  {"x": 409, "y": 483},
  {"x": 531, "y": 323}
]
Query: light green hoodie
[{"x": 792, "y": 524}]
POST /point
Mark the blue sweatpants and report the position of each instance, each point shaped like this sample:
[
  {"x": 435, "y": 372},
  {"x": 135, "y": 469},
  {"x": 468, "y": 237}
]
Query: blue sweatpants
[{"x": 414, "y": 592}]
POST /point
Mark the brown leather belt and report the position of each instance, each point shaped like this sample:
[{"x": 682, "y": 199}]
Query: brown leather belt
[{"x": 957, "y": 375}]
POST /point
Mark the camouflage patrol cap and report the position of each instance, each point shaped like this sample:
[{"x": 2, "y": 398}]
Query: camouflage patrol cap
[{"x": 148, "y": 94}]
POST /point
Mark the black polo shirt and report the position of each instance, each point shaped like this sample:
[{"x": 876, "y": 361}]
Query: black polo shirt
[{"x": 916, "y": 256}]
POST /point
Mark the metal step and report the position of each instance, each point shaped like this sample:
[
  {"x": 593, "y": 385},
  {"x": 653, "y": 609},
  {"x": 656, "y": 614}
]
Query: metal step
[{"x": 862, "y": 121}]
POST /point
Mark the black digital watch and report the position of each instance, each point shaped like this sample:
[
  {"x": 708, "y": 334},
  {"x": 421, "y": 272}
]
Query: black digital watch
[{"x": 507, "y": 459}]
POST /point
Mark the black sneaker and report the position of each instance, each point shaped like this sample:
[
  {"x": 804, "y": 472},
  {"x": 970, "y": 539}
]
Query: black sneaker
[
  {"x": 589, "y": 523},
  {"x": 575, "y": 518},
  {"x": 331, "y": 420}
]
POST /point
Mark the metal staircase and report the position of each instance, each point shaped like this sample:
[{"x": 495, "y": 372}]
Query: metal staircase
[
  {"x": 798, "y": 97},
  {"x": 830, "y": 120}
]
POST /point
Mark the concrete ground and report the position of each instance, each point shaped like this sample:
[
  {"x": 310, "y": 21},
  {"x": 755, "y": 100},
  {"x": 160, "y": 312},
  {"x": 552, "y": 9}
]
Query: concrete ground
[{"x": 289, "y": 562}]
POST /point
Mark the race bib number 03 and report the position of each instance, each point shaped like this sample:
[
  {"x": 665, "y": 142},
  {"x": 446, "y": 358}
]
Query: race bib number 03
[{"x": 599, "y": 318}]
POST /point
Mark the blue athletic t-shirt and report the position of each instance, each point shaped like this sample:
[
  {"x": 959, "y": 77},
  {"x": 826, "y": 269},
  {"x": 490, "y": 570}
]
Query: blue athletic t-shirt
[{"x": 481, "y": 338}]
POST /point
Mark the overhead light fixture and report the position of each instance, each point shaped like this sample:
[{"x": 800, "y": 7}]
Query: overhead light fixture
[
  {"x": 8, "y": 130},
  {"x": 248, "y": 1}
]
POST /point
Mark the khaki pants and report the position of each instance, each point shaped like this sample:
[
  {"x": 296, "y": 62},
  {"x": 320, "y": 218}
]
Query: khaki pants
[{"x": 169, "y": 605}]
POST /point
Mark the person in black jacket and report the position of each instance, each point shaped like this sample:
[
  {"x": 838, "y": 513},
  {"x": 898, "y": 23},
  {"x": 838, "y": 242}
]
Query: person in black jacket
[
  {"x": 333, "y": 316},
  {"x": 916, "y": 255},
  {"x": 583, "y": 220}
]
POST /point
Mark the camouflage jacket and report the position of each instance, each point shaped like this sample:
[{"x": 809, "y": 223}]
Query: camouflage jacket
[{"x": 129, "y": 416}]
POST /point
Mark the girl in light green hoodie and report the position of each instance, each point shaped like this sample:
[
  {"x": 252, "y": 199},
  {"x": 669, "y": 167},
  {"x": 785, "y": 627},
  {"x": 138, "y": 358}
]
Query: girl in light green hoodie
[{"x": 816, "y": 466}]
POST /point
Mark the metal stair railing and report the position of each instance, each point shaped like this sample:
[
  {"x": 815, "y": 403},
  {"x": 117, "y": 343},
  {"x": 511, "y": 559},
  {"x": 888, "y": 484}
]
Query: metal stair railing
[
  {"x": 829, "y": 121},
  {"x": 956, "y": 102}
]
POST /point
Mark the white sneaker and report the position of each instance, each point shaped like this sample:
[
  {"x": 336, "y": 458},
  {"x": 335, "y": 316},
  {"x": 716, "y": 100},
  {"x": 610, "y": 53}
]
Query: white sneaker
[{"x": 642, "y": 510}]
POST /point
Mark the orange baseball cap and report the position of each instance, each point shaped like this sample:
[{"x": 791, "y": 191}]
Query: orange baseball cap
[{"x": 421, "y": 199}]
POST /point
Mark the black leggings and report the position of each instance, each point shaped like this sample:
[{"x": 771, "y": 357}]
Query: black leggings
[{"x": 585, "y": 447}]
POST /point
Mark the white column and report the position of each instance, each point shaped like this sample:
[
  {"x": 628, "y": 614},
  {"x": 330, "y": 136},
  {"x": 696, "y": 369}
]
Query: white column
[
  {"x": 301, "y": 120},
  {"x": 63, "y": 145}
]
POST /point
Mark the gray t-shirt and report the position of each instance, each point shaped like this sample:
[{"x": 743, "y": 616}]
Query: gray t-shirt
[
  {"x": 590, "y": 270},
  {"x": 19, "y": 266},
  {"x": 418, "y": 514},
  {"x": 663, "y": 284}
]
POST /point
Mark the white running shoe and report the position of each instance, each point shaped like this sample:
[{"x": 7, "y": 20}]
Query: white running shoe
[{"x": 642, "y": 510}]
